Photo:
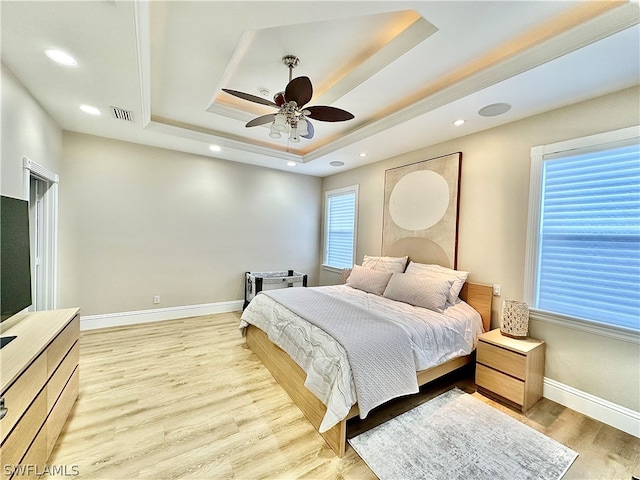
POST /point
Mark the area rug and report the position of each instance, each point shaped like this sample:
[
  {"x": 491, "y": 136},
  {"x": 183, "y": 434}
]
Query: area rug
[{"x": 456, "y": 436}]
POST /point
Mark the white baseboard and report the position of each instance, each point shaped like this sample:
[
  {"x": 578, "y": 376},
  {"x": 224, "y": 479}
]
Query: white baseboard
[
  {"x": 92, "y": 322},
  {"x": 597, "y": 408}
]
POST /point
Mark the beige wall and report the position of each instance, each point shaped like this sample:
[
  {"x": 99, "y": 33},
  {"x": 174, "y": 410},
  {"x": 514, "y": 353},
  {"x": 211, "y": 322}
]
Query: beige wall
[
  {"x": 493, "y": 227},
  {"x": 137, "y": 221},
  {"x": 27, "y": 130}
]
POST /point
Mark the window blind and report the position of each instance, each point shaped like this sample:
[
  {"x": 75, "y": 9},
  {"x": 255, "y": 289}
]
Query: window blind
[
  {"x": 341, "y": 210},
  {"x": 589, "y": 249}
]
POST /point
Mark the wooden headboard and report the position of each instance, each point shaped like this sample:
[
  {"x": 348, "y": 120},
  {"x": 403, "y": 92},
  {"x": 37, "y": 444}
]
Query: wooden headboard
[{"x": 479, "y": 296}]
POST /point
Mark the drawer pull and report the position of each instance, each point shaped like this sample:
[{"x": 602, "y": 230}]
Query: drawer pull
[{"x": 3, "y": 410}]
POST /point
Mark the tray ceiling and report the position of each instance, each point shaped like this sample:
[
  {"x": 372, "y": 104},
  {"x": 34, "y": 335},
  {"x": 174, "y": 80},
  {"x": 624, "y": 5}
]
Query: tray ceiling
[{"x": 406, "y": 70}]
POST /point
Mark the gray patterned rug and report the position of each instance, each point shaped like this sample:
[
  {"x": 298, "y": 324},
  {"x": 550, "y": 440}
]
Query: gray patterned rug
[{"x": 456, "y": 436}]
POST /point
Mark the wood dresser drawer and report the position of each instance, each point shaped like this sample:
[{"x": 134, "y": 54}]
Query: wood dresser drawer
[
  {"x": 501, "y": 359},
  {"x": 19, "y": 395},
  {"x": 36, "y": 455},
  {"x": 62, "y": 344},
  {"x": 24, "y": 432},
  {"x": 499, "y": 383},
  {"x": 61, "y": 410},
  {"x": 61, "y": 376}
]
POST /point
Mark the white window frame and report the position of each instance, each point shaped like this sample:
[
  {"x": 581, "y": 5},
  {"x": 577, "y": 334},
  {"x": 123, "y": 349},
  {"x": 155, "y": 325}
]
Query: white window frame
[
  {"x": 533, "y": 231},
  {"x": 331, "y": 193}
]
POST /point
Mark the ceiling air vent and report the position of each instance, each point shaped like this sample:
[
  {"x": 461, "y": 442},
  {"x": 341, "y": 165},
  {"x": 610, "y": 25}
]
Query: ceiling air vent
[{"x": 122, "y": 114}]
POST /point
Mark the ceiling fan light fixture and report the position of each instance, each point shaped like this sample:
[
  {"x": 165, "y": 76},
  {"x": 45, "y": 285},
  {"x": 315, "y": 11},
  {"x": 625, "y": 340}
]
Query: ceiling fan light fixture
[
  {"x": 302, "y": 127},
  {"x": 280, "y": 122},
  {"x": 274, "y": 132},
  {"x": 293, "y": 135}
]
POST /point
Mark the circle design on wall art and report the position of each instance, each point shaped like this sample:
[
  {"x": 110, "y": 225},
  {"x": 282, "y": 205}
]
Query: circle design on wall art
[{"x": 419, "y": 200}]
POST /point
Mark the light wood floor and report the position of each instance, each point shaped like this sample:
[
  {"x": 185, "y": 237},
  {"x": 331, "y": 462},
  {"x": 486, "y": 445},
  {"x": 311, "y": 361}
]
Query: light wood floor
[{"x": 187, "y": 399}]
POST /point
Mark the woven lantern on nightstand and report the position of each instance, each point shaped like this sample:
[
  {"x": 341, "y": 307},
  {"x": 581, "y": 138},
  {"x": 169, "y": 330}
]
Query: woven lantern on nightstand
[{"x": 515, "y": 319}]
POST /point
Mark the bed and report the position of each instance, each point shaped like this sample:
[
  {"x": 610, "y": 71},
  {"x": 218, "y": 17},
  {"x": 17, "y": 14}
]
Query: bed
[{"x": 277, "y": 334}]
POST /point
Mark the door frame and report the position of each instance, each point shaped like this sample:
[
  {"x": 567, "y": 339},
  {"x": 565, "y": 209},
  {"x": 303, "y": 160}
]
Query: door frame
[{"x": 49, "y": 265}]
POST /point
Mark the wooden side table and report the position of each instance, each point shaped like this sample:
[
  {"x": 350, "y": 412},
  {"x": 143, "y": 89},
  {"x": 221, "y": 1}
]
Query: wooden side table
[{"x": 510, "y": 369}]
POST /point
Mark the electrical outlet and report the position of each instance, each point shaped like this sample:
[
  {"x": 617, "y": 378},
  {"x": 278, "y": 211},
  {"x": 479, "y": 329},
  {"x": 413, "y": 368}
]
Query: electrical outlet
[
  {"x": 156, "y": 299},
  {"x": 496, "y": 290}
]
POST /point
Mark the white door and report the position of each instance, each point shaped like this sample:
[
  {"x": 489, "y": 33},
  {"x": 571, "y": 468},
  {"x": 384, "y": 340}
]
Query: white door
[{"x": 37, "y": 226}]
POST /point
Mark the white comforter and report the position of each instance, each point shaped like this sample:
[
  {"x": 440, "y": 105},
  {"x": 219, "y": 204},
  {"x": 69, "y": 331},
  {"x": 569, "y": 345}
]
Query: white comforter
[{"x": 436, "y": 338}]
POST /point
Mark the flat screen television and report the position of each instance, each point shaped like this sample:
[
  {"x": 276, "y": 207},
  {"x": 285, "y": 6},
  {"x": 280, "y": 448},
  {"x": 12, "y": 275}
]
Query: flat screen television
[{"x": 15, "y": 257}]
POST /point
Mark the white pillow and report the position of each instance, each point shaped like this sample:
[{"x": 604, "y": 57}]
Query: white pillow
[
  {"x": 419, "y": 290},
  {"x": 372, "y": 281},
  {"x": 385, "y": 264},
  {"x": 457, "y": 277}
]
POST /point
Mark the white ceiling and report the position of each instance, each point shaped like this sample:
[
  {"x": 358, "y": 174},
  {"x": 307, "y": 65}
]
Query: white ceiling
[{"x": 406, "y": 70}]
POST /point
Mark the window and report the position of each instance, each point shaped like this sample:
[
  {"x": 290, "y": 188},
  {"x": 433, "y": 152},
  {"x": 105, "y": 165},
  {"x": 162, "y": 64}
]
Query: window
[
  {"x": 341, "y": 207},
  {"x": 583, "y": 249}
]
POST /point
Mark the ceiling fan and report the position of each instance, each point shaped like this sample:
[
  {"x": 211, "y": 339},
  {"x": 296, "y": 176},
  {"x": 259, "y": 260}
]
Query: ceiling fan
[{"x": 292, "y": 114}]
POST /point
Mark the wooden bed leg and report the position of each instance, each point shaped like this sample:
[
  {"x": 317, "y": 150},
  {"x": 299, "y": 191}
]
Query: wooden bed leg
[{"x": 336, "y": 438}]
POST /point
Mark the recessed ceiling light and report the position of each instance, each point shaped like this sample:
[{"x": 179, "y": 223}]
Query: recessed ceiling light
[
  {"x": 291, "y": 163},
  {"x": 336, "y": 163},
  {"x": 494, "y": 109},
  {"x": 90, "y": 110},
  {"x": 60, "y": 57},
  {"x": 215, "y": 148},
  {"x": 363, "y": 154},
  {"x": 460, "y": 121}
]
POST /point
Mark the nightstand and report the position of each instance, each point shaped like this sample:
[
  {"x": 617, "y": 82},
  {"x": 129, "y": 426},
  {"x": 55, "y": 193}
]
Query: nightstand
[{"x": 511, "y": 369}]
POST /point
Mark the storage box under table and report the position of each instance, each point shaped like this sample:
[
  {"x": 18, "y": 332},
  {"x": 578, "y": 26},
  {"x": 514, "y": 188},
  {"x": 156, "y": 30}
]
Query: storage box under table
[{"x": 258, "y": 281}]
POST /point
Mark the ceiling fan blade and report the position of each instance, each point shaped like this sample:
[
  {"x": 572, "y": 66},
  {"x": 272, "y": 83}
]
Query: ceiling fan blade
[
  {"x": 261, "y": 120},
  {"x": 279, "y": 99},
  {"x": 251, "y": 98},
  {"x": 310, "y": 131},
  {"x": 299, "y": 90},
  {"x": 325, "y": 113}
]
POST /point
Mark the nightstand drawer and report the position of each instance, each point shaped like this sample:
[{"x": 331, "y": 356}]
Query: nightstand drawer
[
  {"x": 499, "y": 383},
  {"x": 506, "y": 361}
]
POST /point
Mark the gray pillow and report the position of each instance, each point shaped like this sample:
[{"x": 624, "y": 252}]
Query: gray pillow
[
  {"x": 420, "y": 290},
  {"x": 372, "y": 281},
  {"x": 385, "y": 264},
  {"x": 457, "y": 277}
]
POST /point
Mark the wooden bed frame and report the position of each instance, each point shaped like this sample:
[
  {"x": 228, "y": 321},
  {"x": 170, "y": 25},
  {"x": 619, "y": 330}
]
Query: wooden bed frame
[{"x": 291, "y": 377}]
